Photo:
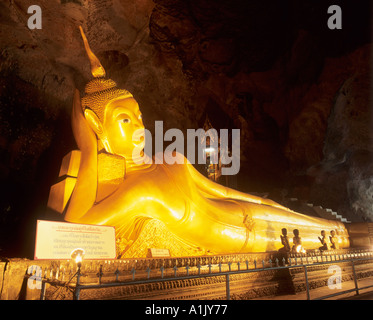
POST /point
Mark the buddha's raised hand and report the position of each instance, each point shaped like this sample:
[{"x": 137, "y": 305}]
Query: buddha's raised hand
[{"x": 84, "y": 194}]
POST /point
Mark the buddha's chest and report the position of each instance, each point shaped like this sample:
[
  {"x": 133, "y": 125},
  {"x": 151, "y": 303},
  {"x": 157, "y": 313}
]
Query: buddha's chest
[{"x": 169, "y": 185}]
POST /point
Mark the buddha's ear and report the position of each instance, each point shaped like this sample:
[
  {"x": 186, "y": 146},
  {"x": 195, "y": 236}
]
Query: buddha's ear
[{"x": 93, "y": 121}]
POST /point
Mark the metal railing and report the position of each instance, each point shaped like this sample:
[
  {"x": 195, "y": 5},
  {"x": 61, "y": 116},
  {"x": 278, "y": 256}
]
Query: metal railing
[{"x": 205, "y": 271}]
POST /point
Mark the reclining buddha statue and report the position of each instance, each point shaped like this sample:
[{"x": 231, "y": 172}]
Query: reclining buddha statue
[{"x": 154, "y": 205}]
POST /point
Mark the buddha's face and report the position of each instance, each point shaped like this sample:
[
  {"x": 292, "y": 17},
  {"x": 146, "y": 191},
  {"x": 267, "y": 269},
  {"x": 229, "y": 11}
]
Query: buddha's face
[{"x": 122, "y": 127}]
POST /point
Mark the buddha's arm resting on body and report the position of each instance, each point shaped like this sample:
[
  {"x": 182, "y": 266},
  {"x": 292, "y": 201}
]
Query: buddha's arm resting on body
[
  {"x": 214, "y": 189},
  {"x": 84, "y": 194}
]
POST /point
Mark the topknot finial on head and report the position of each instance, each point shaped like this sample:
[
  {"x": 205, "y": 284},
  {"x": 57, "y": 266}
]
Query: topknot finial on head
[
  {"x": 99, "y": 91},
  {"x": 97, "y": 69}
]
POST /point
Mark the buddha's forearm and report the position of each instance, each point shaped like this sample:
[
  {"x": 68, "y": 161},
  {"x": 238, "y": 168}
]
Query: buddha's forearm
[
  {"x": 214, "y": 189},
  {"x": 84, "y": 194}
]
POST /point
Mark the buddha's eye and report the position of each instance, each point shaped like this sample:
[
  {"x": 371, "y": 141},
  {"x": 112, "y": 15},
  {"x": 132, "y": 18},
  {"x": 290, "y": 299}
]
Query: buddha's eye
[{"x": 126, "y": 120}]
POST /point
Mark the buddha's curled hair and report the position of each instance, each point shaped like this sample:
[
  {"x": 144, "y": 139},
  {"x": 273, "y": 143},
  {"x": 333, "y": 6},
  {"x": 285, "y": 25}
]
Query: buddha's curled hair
[{"x": 99, "y": 92}]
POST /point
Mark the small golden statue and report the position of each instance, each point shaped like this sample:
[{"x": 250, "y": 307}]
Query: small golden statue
[
  {"x": 333, "y": 240},
  {"x": 324, "y": 246},
  {"x": 297, "y": 242},
  {"x": 284, "y": 241},
  {"x": 158, "y": 205}
]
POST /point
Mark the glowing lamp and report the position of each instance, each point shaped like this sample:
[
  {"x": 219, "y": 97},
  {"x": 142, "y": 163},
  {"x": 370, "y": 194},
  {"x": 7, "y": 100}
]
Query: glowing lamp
[
  {"x": 209, "y": 149},
  {"x": 300, "y": 249},
  {"x": 77, "y": 255}
]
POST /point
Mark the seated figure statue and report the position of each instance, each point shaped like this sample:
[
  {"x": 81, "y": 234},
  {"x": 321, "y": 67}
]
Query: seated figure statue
[
  {"x": 323, "y": 241},
  {"x": 297, "y": 242},
  {"x": 333, "y": 240},
  {"x": 284, "y": 241},
  {"x": 186, "y": 209}
]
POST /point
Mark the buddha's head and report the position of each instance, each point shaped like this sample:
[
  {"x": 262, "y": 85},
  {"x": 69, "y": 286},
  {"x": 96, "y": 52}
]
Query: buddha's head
[{"x": 112, "y": 113}]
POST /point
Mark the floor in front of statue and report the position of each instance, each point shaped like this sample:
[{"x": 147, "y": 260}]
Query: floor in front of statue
[{"x": 365, "y": 294}]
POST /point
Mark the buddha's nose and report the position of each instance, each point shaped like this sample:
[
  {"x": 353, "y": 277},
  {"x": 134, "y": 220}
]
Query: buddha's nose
[{"x": 139, "y": 127}]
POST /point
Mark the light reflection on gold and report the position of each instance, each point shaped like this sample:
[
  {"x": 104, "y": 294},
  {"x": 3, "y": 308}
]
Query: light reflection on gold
[{"x": 197, "y": 215}]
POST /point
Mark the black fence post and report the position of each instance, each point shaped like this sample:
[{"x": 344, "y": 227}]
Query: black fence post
[
  {"x": 355, "y": 279},
  {"x": 307, "y": 284},
  {"x": 227, "y": 286}
]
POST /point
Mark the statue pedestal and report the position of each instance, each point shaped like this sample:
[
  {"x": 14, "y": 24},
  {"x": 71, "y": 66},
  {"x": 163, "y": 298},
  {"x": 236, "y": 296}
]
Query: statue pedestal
[{"x": 154, "y": 234}]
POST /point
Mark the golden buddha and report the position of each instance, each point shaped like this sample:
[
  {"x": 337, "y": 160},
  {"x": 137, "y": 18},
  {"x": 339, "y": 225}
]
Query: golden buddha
[{"x": 160, "y": 205}]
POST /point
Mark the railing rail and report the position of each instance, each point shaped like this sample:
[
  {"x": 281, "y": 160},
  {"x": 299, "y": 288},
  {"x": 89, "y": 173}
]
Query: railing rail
[{"x": 204, "y": 271}]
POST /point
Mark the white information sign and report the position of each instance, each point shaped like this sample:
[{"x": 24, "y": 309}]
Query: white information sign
[{"x": 57, "y": 240}]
